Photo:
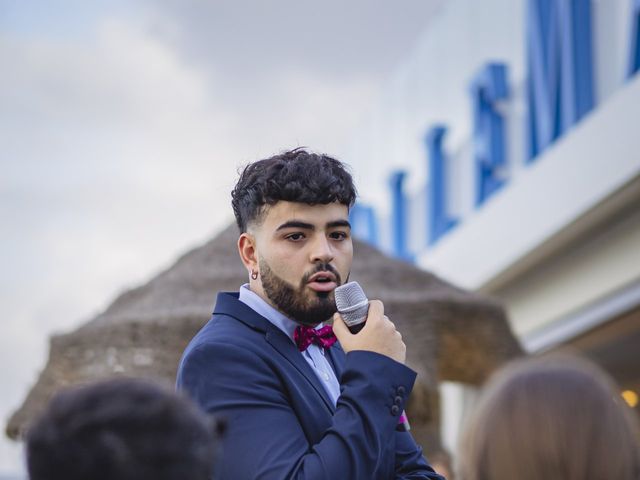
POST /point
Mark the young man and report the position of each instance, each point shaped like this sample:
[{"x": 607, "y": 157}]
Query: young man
[
  {"x": 297, "y": 405},
  {"x": 121, "y": 429}
]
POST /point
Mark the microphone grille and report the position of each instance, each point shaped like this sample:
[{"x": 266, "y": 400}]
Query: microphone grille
[{"x": 347, "y": 297}]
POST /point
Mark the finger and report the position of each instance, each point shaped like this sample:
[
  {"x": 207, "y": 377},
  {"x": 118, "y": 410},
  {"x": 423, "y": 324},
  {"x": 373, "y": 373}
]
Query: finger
[
  {"x": 339, "y": 327},
  {"x": 376, "y": 309}
]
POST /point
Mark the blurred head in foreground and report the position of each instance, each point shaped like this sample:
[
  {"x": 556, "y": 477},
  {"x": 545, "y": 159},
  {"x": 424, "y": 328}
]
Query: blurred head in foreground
[
  {"x": 557, "y": 417},
  {"x": 121, "y": 429}
]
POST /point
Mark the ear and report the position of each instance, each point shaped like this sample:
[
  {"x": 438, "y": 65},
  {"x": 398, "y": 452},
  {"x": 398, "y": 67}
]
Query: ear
[{"x": 248, "y": 252}]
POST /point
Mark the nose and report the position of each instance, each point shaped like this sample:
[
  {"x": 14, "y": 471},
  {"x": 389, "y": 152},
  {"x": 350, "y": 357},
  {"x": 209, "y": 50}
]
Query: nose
[{"x": 321, "y": 250}]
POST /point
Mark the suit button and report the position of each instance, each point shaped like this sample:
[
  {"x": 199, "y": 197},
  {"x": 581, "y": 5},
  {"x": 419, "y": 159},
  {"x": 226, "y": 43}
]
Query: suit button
[
  {"x": 400, "y": 390},
  {"x": 395, "y": 410},
  {"x": 398, "y": 400}
]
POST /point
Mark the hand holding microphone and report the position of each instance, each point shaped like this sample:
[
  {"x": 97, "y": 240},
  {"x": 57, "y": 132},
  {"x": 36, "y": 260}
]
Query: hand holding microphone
[{"x": 361, "y": 324}]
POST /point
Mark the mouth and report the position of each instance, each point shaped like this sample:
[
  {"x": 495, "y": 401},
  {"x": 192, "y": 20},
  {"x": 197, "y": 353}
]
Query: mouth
[{"x": 322, "y": 282}]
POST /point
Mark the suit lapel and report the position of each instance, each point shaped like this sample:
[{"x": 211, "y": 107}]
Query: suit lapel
[
  {"x": 228, "y": 304},
  {"x": 288, "y": 350}
]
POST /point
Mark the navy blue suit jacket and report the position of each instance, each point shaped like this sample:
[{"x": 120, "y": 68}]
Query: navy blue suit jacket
[{"x": 281, "y": 422}]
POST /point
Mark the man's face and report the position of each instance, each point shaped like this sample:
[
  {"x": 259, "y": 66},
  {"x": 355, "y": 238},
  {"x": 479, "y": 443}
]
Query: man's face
[{"x": 303, "y": 252}]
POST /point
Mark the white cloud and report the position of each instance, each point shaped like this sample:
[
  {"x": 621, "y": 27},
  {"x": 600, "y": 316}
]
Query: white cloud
[{"x": 108, "y": 172}]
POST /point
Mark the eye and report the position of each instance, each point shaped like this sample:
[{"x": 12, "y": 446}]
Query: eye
[
  {"x": 339, "y": 235},
  {"x": 295, "y": 237}
]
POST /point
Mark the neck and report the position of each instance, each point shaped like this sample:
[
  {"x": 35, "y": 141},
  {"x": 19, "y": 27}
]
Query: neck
[{"x": 256, "y": 287}]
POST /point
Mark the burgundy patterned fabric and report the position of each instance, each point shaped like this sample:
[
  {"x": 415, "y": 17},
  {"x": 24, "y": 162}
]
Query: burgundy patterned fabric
[{"x": 305, "y": 336}]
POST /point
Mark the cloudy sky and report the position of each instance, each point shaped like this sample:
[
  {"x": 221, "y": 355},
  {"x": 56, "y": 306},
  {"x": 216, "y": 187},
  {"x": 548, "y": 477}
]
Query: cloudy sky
[{"x": 122, "y": 125}]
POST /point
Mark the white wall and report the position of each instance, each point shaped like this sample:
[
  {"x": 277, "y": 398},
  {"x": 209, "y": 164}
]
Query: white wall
[
  {"x": 595, "y": 159},
  {"x": 586, "y": 276}
]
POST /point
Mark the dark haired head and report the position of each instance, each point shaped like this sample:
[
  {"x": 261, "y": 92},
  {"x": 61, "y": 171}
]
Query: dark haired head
[
  {"x": 293, "y": 176},
  {"x": 121, "y": 429}
]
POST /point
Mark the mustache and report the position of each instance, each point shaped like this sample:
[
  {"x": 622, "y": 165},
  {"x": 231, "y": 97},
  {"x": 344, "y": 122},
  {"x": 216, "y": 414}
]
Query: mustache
[{"x": 321, "y": 267}]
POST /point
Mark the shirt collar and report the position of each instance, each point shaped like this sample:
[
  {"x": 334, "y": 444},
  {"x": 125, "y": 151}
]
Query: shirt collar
[{"x": 260, "y": 306}]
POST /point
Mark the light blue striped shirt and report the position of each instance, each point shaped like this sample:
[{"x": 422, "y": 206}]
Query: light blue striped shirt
[{"x": 314, "y": 355}]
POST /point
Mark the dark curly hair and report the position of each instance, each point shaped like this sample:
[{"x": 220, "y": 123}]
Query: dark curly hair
[
  {"x": 123, "y": 429},
  {"x": 293, "y": 176}
]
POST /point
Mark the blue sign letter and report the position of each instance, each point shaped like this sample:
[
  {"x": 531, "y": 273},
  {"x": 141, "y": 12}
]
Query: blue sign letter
[
  {"x": 487, "y": 89},
  {"x": 560, "y": 70},
  {"x": 634, "y": 44},
  {"x": 363, "y": 223},
  {"x": 439, "y": 221},
  {"x": 399, "y": 215}
]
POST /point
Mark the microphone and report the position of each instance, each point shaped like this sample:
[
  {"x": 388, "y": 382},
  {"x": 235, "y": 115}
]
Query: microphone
[{"x": 353, "y": 307}]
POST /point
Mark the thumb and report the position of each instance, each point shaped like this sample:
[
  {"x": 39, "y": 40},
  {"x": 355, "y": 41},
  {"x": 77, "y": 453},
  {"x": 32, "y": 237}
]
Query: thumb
[{"x": 339, "y": 327}]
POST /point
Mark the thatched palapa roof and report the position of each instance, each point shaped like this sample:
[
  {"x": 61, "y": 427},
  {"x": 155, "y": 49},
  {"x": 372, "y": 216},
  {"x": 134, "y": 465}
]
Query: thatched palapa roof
[{"x": 451, "y": 334}]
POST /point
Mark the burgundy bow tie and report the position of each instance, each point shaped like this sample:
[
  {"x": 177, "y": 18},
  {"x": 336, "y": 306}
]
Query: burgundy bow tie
[{"x": 305, "y": 336}]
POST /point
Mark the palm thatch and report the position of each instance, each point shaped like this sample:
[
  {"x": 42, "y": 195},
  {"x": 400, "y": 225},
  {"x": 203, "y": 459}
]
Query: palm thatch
[{"x": 451, "y": 334}]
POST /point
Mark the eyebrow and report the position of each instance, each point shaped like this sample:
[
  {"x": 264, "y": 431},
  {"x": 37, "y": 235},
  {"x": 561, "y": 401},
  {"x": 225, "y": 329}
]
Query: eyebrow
[
  {"x": 310, "y": 226},
  {"x": 339, "y": 223}
]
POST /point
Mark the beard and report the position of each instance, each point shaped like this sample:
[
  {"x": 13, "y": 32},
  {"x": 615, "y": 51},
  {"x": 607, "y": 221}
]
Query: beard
[{"x": 299, "y": 304}]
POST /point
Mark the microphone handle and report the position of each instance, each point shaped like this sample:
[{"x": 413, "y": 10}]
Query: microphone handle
[{"x": 357, "y": 327}]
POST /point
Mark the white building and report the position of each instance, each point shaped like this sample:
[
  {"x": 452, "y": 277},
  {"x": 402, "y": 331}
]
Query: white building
[{"x": 505, "y": 157}]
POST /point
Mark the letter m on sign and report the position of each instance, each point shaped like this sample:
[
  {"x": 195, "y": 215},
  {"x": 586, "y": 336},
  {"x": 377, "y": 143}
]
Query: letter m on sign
[{"x": 560, "y": 71}]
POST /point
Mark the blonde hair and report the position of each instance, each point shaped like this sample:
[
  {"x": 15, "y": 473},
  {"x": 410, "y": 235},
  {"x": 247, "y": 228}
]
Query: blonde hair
[{"x": 555, "y": 417}]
